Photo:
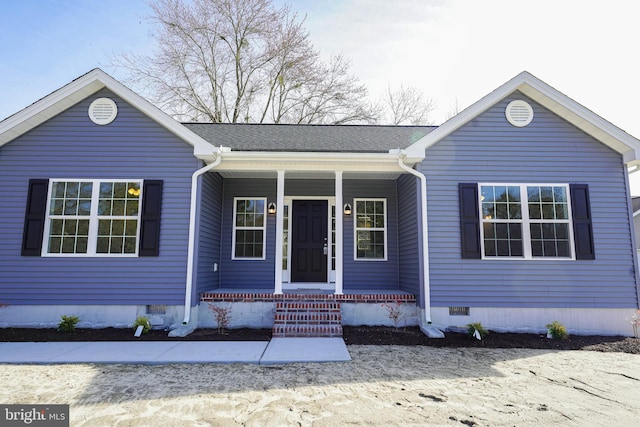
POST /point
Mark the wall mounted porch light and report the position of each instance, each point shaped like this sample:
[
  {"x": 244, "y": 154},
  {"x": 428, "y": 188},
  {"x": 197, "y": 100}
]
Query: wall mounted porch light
[
  {"x": 347, "y": 209},
  {"x": 271, "y": 209}
]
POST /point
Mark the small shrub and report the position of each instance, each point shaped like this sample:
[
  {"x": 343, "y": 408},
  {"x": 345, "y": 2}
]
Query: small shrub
[
  {"x": 473, "y": 327},
  {"x": 557, "y": 330},
  {"x": 144, "y": 322},
  {"x": 635, "y": 323},
  {"x": 68, "y": 324},
  {"x": 222, "y": 315},
  {"x": 394, "y": 311}
]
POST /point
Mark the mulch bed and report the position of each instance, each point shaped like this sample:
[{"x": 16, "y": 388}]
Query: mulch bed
[{"x": 360, "y": 335}]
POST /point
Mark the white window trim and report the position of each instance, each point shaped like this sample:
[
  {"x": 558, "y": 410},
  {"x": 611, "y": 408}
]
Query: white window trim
[
  {"x": 526, "y": 222},
  {"x": 355, "y": 228},
  {"x": 263, "y": 228},
  {"x": 92, "y": 243}
]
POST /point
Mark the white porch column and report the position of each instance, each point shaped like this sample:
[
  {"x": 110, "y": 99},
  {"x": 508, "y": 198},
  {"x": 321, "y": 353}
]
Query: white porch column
[
  {"x": 339, "y": 232},
  {"x": 279, "y": 232}
]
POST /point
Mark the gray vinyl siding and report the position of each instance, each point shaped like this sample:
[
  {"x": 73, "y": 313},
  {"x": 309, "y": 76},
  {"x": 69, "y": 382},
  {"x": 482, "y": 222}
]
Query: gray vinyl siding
[
  {"x": 409, "y": 235},
  {"x": 247, "y": 274},
  {"x": 71, "y": 146},
  {"x": 358, "y": 275},
  {"x": 549, "y": 150},
  {"x": 208, "y": 237},
  {"x": 371, "y": 275}
]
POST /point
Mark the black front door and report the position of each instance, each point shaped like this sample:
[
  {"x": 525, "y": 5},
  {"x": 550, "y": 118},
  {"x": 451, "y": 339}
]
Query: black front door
[{"x": 309, "y": 241}]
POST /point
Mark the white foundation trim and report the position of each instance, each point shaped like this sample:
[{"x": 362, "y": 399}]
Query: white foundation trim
[
  {"x": 91, "y": 316},
  {"x": 578, "y": 321}
]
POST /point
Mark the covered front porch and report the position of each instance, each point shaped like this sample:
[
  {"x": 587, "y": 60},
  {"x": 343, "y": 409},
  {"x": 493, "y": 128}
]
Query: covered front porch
[{"x": 331, "y": 228}]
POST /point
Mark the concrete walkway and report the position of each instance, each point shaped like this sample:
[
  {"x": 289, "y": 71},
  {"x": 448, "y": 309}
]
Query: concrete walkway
[{"x": 276, "y": 351}]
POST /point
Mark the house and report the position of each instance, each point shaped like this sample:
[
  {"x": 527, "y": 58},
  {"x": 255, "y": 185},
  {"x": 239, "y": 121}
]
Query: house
[{"x": 516, "y": 212}]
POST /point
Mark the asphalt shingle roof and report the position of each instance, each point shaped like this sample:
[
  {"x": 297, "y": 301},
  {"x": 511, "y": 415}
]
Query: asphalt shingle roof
[{"x": 318, "y": 138}]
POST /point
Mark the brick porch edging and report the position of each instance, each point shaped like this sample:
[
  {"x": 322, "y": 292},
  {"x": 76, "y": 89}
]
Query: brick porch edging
[{"x": 268, "y": 297}]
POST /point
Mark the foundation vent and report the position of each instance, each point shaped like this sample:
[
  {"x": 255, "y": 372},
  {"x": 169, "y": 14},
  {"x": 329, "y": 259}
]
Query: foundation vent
[
  {"x": 156, "y": 310},
  {"x": 458, "y": 311}
]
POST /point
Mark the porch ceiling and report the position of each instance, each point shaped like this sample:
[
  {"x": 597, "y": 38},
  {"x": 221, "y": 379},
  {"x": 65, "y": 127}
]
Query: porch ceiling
[
  {"x": 309, "y": 165},
  {"x": 307, "y": 174}
]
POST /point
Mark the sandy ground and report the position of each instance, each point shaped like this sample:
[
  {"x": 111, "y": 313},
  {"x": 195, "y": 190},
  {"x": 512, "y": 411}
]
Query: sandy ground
[{"x": 381, "y": 386}]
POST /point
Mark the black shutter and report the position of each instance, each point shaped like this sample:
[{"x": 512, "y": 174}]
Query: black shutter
[
  {"x": 150, "y": 218},
  {"x": 582, "y": 227},
  {"x": 469, "y": 220},
  {"x": 34, "y": 217}
]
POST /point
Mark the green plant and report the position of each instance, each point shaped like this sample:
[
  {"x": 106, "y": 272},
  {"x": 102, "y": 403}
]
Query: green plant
[
  {"x": 476, "y": 330},
  {"x": 144, "y": 322},
  {"x": 557, "y": 331},
  {"x": 68, "y": 323}
]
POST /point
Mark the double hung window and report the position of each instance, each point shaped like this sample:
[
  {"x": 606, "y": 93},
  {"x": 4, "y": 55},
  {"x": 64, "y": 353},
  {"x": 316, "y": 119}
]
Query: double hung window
[
  {"x": 525, "y": 221},
  {"x": 249, "y": 228},
  {"x": 92, "y": 218},
  {"x": 370, "y": 229}
]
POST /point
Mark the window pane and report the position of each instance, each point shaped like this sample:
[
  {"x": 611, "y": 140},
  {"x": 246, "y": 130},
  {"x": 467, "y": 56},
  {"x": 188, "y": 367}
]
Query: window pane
[
  {"x": 546, "y": 194},
  {"x": 104, "y": 207},
  {"x": 562, "y": 212},
  {"x": 119, "y": 190},
  {"x": 514, "y": 194},
  {"x": 536, "y": 248},
  {"x": 55, "y": 245},
  {"x": 490, "y": 248},
  {"x": 70, "y": 207},
  {"x": 86, "y": 189},
  {"x": 68, "y": 245},
  {"x": 489, "y": 230},
  {"x": 548, "y": 211},
  {"x": 106, "y": 190},
  {"x": 131, "y": 227},
  {"x": 130, "y": 245},
  {"x": 103, "y": 245},
  {"x": 118, "y": 207},
  {"x": 56, "y": 227},
  {"x": 563, "y": 248},
  {"x": 132, "y": 208},
  {"x": 72, "y": 190},
  {"x": 133, "y": 190},
  {"x": 259, "y": 220},
  {"x": 534, "y": 211},
  {"x": 117, "y": 227},
  {"x": 536, "y": 231},
  {"x": 81, "y": 245},
  {"x": 116, "y": 245}
]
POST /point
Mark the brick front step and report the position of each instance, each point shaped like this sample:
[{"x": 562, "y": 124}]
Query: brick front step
[
  {"x": 300, "y": 331},
  {"x": 304, "y": 318}
]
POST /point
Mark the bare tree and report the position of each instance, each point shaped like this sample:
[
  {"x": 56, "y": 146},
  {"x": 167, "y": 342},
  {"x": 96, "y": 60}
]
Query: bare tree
[
  {"x": 407, "y": 105},
  {"x": 242, "y": 61},
  {"x": 454, "y": 110}
]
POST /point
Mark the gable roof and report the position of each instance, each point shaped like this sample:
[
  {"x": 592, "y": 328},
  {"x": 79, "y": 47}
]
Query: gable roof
[
  {"x": 548, "y": 97},
  {"x": 310, "y": 138},
  {"x": 79, "y": 89}
]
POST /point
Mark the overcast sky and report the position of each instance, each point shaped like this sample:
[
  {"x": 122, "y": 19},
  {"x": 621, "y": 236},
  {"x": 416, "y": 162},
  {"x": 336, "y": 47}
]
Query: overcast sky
[{"x": 454, "y": 51}]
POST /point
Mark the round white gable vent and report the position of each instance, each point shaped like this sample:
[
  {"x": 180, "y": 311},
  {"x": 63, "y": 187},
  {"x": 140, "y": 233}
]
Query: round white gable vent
[
  {"x": 103, "y": 111},
  {"x": 519, "y": 113}
]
